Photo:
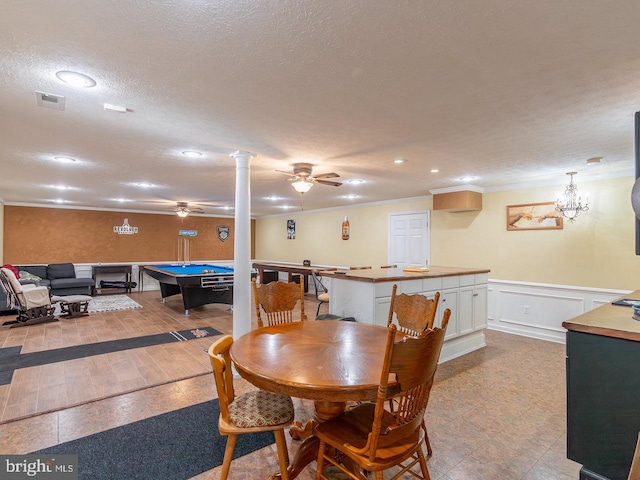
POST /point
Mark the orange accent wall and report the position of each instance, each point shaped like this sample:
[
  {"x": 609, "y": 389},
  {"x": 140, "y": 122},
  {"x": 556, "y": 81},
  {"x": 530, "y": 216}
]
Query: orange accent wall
[{"x": 56, "y": 235}]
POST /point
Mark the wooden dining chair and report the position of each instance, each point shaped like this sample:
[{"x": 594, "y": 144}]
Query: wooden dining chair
[
  {"x": 278, "y": 300},
  {"x": 413, "y": 313},
  {"x": 370, "y": 437},
  {"x": 254, "y": 411}
]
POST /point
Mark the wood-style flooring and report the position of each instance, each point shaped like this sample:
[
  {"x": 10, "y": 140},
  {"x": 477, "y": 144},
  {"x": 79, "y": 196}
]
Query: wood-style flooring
[{"x": 494, "y": 414}]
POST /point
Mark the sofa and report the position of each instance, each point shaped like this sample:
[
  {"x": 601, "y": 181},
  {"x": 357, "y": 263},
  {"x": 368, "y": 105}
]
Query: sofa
[{"x": 59, "y": 277}]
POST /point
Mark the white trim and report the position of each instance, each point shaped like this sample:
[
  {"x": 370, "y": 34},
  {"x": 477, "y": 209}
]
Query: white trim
[{"x": 537, "y": 310}]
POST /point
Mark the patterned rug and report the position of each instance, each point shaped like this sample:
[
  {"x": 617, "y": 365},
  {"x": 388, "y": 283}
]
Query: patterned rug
[{"x": 108, "y": 303}]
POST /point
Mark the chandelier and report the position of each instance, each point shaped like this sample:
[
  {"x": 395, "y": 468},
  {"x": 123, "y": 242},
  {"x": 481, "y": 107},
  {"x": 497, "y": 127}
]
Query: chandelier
[{"x": 570, "y": 205}]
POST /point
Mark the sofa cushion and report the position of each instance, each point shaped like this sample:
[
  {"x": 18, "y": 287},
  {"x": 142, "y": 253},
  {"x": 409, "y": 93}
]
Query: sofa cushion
[
  {"x": 59, "y": 283},
  {"x": 60, "y": 270},
  {"x": 38, "y": 270}
]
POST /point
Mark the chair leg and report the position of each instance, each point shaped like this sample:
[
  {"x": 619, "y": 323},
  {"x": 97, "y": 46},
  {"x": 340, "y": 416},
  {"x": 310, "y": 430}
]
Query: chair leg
[
  {"x": 283, "y": 454},
  {"x": 426, "y": 439},
  {"x": 228, "y": 455},
  {"x": 320, "y": 463},
  {"x": 423, "y": 465}
]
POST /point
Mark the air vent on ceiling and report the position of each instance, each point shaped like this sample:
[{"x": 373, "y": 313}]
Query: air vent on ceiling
[{"x": 50, "y": 100}]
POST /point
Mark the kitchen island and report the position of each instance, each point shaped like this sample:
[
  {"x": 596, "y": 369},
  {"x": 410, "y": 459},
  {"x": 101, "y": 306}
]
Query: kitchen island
[{"x": 366, "y": 296}]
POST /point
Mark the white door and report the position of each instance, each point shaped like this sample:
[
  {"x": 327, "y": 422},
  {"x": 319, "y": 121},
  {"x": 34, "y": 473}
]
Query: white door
[{"x": 408, "y": 238}]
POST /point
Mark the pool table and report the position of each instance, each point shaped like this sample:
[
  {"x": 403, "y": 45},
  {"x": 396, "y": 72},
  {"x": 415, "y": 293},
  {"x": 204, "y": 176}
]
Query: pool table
[{"x": 199, "y": 284}]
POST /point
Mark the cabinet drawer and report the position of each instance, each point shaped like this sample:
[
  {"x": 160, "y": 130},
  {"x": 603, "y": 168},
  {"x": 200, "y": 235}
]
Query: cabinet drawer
[
  {"x": 450, "y": 282},
  {"x": 467, "y": 280},
  {"x": 481, "y": 278},
  {"x": 431, "y": 284}
]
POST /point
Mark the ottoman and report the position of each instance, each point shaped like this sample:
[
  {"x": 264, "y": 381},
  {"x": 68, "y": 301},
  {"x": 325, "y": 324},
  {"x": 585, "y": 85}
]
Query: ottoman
[{"x": 73, "y": 305}]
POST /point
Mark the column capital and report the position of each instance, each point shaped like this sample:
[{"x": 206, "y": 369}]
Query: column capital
[{"x": 242, "y": 153}]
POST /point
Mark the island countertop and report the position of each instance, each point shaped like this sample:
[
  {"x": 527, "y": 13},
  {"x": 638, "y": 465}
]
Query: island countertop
[
  {"x": 608, "y": 320},
  {"x": 396, "y": 274}
]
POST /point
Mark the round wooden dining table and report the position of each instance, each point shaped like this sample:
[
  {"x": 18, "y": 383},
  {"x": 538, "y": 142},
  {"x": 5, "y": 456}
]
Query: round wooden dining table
[{"x": 329, "y": 362}]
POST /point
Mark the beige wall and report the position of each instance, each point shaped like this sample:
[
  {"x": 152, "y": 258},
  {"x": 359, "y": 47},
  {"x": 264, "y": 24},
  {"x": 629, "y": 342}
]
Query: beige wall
[
  {"x": 595, "y": 251},
  {"x": 319, "y": 235}
]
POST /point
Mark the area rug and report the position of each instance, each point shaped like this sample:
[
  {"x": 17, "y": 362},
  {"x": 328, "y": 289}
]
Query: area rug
[
  {"x": 173, "y": 446},
  {"x": 11, "y": 359},
  {"x": 108, "y": 303}
]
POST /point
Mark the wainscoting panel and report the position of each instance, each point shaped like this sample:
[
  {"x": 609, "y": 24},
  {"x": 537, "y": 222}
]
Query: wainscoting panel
[{"x": 538, "y": 310}]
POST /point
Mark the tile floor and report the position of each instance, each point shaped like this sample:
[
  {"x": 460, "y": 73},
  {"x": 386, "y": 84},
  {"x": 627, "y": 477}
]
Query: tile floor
[{"x": 494, "y": 414}]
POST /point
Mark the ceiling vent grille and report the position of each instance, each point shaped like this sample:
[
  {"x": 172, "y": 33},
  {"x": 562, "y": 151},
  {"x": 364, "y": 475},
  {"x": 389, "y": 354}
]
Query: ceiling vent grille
[{"x": 50, "y": 100}]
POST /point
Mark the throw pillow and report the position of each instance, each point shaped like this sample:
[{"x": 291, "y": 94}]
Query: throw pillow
[
  {"x": 12, "y": 268},
  {"x": 26, "y": 277}
]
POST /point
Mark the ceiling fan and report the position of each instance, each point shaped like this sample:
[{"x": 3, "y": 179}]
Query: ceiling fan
[
  {"x": 303, "y": 178},
  {"x": 183, "y": 209}
]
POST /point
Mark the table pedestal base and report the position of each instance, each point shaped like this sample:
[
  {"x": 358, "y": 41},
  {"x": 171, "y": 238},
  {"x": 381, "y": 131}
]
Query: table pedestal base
[{"x": 308, "y": 451}]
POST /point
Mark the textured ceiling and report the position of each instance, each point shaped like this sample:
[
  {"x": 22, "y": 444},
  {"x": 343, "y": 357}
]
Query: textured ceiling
[{"x": 509, "y": 92}]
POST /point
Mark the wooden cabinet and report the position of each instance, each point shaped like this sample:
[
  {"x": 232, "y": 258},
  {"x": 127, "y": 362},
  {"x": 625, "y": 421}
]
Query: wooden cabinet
[
  {"x": 603, "y": 404},
  {"x": 603, "y": 390}
]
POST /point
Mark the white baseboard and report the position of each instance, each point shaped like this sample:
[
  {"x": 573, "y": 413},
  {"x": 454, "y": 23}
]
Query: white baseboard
[{"x": 537, "y": 310}]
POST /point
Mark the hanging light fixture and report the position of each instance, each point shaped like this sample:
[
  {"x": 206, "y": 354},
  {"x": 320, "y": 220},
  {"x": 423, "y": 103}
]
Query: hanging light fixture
[
  {"x": 302, "y": 186},
  {"x": 182, "y": 212},
  {"x": 570, "y": 205}
]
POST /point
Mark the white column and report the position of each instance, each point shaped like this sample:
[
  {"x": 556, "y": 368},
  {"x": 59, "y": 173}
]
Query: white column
[{"x": 242, "y": 246}]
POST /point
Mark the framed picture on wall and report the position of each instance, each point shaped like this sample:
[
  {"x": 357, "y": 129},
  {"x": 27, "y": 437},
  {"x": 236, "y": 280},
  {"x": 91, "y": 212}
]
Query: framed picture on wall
[
  {"x": 291, "y": 229},
  {"x": 533, "y": 216}
]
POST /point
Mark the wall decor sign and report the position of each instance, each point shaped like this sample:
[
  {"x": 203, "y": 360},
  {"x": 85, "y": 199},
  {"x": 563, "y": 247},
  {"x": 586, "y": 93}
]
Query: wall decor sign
[
  {"x": 188, "y": 233},
  {"x": 291, "y": 229},
  {"x": 125, "y": 228},
  {"x": 223, "y": 232},
  {"x": 533, "y": 216}
]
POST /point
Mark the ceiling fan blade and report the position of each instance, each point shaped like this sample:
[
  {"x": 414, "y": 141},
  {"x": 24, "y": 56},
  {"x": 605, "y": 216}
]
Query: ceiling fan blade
[
  {"x": 327, "y": 175},
  {"x": 327, "y": 182},
  {"x": 287, "y": 173}
]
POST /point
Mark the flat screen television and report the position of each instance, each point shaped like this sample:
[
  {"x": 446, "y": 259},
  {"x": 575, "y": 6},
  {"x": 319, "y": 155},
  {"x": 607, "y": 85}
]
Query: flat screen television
[{"x": 635, "y": 194}]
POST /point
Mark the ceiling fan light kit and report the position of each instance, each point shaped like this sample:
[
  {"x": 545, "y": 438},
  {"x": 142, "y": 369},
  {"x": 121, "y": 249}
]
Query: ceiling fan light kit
[{"x": 303, "y": 178}]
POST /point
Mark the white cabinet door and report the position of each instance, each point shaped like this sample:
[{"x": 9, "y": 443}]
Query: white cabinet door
[
  {"x": 465, "y": 310},
  {"x": 479, "y": 307},
  {"x": 382, "y": 311},
  {"x": 448, "y": 299}
]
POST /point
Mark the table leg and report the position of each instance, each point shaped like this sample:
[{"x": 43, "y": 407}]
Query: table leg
[{"x": 308, "y": 451}]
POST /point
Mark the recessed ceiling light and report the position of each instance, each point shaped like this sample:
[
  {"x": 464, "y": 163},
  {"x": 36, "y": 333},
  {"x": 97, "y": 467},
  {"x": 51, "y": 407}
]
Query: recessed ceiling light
[
  {"x": 192, "y": 154},
  {"x": 594, "y": 160},
  {"x": 273, "y": 199},
  {"x": 286, "y": 207},
  {"x": 356, "y": 181},
  {"x": 143, "y": 184},
  {"x": 399, "y": 161},
  {"x": 76, "y": 79},
  {"x": 227, "y": 207},
  {"x": 467, "y": 179},
  {"x": 60, "y": 187},
  {"x": 59, "y": 200},
  {"x": 350, "y": 197},
  {"x": 434, "y": 170},
  {"x": 121, "y": 200},
  {"x": 64, "y": 159}
]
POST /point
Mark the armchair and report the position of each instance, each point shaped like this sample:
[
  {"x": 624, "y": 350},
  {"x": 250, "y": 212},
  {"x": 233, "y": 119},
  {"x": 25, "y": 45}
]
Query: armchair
[{"x": 33, "y": 303}]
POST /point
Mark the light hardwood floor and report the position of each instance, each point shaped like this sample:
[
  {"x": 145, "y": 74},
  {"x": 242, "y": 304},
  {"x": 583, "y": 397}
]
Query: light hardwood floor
[{"x": 494, "y": 414}]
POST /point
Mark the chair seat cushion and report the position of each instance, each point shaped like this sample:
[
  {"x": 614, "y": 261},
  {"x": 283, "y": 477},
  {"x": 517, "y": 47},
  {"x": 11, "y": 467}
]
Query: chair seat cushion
[
  {"x": 261, "y": 409},
  {"x": 323, "y": 297}
]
